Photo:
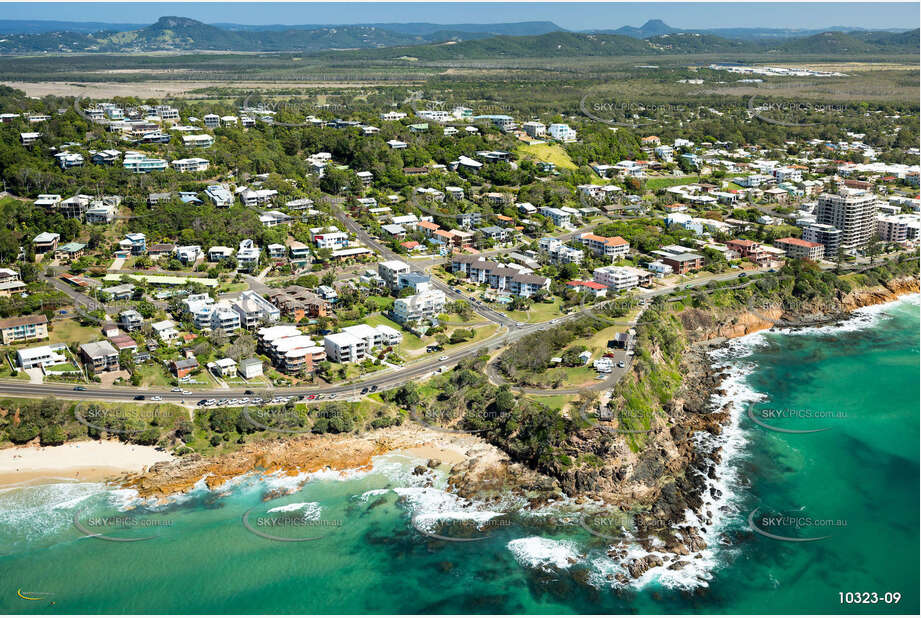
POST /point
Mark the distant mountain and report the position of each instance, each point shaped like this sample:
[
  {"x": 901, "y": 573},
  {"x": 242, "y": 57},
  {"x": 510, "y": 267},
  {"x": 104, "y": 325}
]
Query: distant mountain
[
  {"x": 182, "y": 33},
  {"x": 569, "y": 44},
  {"x": 653, "y": 27},
  {"x": 436, "y": 41},
  {"x": 41, "y": 26},
  {"x": 657, "y": 27}
]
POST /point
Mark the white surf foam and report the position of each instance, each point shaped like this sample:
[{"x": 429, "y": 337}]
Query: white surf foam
[{"x": 537, "y": 552}]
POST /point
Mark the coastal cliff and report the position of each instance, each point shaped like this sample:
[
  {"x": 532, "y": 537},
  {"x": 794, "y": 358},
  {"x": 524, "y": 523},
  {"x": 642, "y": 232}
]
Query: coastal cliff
[
  {"x": 655, "y": 474},
  {"x": 644, "y": 462}
]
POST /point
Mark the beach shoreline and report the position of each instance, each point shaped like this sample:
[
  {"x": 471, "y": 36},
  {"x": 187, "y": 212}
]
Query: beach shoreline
[{"x": 85, "y": 461}]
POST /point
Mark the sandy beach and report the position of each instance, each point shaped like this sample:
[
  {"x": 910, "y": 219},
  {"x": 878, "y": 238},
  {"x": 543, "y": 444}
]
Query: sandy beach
[{"x": 76, "y": 461}]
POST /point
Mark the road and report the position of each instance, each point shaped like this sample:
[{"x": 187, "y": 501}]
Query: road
[{"x": 380, "y": 380}]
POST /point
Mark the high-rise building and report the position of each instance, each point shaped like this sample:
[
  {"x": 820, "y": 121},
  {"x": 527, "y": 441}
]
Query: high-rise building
[{"x": 853, "y": 211}]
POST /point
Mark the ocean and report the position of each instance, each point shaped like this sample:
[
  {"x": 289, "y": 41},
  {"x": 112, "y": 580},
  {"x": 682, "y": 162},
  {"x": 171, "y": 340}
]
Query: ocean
[{"x": 816, "y": 502}]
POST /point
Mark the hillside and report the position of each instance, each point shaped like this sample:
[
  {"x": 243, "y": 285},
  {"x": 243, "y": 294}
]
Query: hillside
[{"x": 440, "y": 41}]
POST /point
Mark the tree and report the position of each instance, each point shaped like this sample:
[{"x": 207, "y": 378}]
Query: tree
[{"x": 53, "y": 436}]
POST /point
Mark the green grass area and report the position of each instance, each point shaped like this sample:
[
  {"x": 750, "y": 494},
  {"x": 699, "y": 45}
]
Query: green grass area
[
  {"x": 654, "y": 184},
  {"x": 229, "y": 288},
  {"x": 410, "y": 341},
  {"x": 551, "y": 153},
  {"x": 480, "y": 333},
  {"x": 539, "y": 312},
  {"x": 70, "y": 331},
  {"x": 383, "y": 303},
  {"x": 62, "y": 367},
  {"x": 154, "y": 375},
  {"x": 6, "y": 372},
  {"x": 554, "y": 402}
]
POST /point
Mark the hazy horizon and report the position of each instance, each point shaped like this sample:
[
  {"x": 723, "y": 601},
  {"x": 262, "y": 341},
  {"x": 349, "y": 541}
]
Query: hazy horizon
[{"x": 572, "y": 16}]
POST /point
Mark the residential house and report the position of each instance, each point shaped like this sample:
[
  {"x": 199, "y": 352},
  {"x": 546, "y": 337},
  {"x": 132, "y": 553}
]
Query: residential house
[
  {"x": 41, "y": 356},
  {"x": 130, "y": 320},
  {"x": 190, "y": 165},
  {"x": 165, "y": 330},
  {"x": 99, "y": 357},
  {"x": 45, "y": 242},
  {"x": 562, "y": 132},
  {"x": 184, "y": 367},
  {"x": 247, "y": 255}
]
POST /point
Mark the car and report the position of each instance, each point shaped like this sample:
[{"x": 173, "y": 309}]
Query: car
[
  {"x": 79, "y": 388},
  {"x": 442, "y": 358},
  {"x": 519, "y": 324},
  {"x": 248, "y": 392},
  {"x": 621, "y": 364},
  {"x": 742, "y": 275},
  {"x": 202, "y": 402},
  {"x": 364, "y": 391},
  {"x": 311, "y": 397},
  {"x": 139, "y": 397},
  {"x": 186, "y": 392},
  {"x": 374, "y": 388},
  {"x": 554, "y": 321},
  {"x": 175, "y": 390},
  {"x": 332, "y": 396},
  {"x": 156, "y": 398}
]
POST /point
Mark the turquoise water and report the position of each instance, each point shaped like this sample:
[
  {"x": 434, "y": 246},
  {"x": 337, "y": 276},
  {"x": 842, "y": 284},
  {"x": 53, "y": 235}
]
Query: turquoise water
[{"x": 371, "y": 553}]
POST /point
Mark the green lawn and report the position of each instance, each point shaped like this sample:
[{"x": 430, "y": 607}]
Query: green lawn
[
  {"x": 554, "y": 402},
  {"x": 154, "y": 375},
  {"x": 69, "y": 331},
  {"x": 539, "y": 312},
  {"x": 653, "y": 184},
  {"x": 410, "y": 341},
  {"x": 551, "y": 153}
]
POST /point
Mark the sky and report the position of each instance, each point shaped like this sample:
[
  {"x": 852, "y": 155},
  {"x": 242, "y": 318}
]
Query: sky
[{"x": 573, "y": 16}]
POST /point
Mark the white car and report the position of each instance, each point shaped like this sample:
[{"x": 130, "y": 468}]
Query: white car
[
  {"x": 186, "y": 392},
  {"x": 176, "y": 390},
  {"x": 156, "y": 398},
  {"x": 442, "y": 358}
]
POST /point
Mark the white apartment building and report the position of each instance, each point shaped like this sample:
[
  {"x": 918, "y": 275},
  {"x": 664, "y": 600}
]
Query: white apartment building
[
  {"x": 425, "y": 304},
  {"x": 254, "y": 310},
  {"x": 353, "y": 344},
  {"x": 562, "y": 132},
  {"x": 247, "y": 255},
  {"x": 617, "y": 278},
  {"x": 199, "y": 140},
  {"x": 560, "y": 253},
  {"x": 390, "y": 272},
  {"x": 853, "y": 211},
  {"x": 534, "y": 128},
  {"x": 190, "y": 165}
]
